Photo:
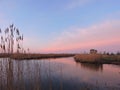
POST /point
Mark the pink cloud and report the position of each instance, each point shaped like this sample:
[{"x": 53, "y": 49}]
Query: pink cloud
[{"x": 97, "y": 36}]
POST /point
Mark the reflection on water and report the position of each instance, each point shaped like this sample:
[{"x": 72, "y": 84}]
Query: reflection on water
[
  {"x": 57, "y": 74},
  {"x": 95, "y": 67}
]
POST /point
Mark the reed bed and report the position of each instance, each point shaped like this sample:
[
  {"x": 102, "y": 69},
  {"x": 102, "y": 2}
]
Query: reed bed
[
  {"x": 38, "y": 56},
  {"x": 91, "y": 58},
  {"x": 20, "y": 56},
  {"x": 4, "y": 55},
  {"x": 97, "y": 58}
]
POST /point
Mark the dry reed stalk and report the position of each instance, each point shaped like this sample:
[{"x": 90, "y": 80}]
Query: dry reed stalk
[{"x": 91, "y": 58}]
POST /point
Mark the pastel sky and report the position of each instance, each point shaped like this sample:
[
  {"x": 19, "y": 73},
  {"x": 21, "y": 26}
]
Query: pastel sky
[{"x": 51, "y": 26}]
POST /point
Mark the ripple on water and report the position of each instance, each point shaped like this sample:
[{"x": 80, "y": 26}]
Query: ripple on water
[{"x": 57, "y": 74}]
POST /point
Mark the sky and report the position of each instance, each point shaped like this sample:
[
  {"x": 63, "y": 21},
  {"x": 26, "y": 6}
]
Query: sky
[{"x": 62, "y": 26}]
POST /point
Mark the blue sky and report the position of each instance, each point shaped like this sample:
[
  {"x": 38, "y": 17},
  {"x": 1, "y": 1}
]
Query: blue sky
[{"x": 43, "y": 22}]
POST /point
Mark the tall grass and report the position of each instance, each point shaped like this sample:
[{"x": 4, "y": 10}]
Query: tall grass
[
  {"x": 38, "y": 56},
  {"x": 98, "y": 58}
]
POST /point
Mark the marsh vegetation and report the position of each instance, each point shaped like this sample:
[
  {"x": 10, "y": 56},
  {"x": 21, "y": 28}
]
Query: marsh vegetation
[
  {"x": 98, "y": 58},
  {"x": 21, "y": 70}
]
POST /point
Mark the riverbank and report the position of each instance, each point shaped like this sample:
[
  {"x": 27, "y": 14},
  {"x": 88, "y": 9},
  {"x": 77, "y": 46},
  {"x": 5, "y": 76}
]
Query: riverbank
[
  {"x": 34, "y": 56},
  {"x": 38, "y": 56},
  {"x": 98, "y": 58}
]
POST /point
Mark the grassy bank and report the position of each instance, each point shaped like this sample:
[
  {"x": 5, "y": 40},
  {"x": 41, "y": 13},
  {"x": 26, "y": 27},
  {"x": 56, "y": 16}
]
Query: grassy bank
[
  {"x": 38, "y": 56},
  {"x": 4, "y": 55},
  {"x": 33, "y": 56},
  {"x": 98, "y": 58}
]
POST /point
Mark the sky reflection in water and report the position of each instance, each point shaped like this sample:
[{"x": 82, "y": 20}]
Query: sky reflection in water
[{"x": 57, "y": 74}]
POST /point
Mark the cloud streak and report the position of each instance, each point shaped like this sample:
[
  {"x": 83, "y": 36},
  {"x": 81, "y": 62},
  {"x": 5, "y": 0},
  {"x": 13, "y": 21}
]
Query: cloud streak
[{"x": 102, "y": 35}]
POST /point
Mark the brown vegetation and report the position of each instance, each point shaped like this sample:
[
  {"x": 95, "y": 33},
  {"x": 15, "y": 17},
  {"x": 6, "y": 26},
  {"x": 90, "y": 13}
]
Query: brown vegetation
[
  {"x": 20, "y": 56},
  {"x": 38, "y": 56},
  {"x": 98, "y": 58},
  {"x": 88, "y": 57}
]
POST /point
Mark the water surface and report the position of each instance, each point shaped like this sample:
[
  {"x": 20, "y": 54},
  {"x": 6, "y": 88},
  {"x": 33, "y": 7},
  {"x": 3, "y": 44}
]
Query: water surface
[{"x": 57, "y": 74}]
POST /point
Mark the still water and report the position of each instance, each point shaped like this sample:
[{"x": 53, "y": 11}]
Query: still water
[{"x": 57, "y": 74}]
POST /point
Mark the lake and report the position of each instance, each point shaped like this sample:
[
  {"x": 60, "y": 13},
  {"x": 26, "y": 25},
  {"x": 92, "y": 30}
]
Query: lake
[{"x": 57, "y": 74}]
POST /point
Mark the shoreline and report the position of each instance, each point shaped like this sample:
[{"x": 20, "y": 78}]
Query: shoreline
[
  {"x": 98, "y": 59},
  {"x": 34, "y": 56},
  {"x": 82, "y": 58}
]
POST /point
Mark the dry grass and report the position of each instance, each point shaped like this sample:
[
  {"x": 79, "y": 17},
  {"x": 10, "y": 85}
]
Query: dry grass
[
  {"x": 21, "y": 56},
  {"x": 4, "y": 55},
  {"x": 98, "y": 58},
  {"x": 88, "y": 57},
  {"x": 38, "y": 56},
  {"x": 111, "y": 57}
]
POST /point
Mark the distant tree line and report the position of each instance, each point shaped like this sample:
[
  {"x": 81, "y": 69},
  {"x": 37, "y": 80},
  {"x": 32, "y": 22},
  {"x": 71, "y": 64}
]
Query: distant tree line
[
  {"x": 94, "y": 51},
  {"x": 107, "y": 53},
  {"x": 11, "y": 38}
]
